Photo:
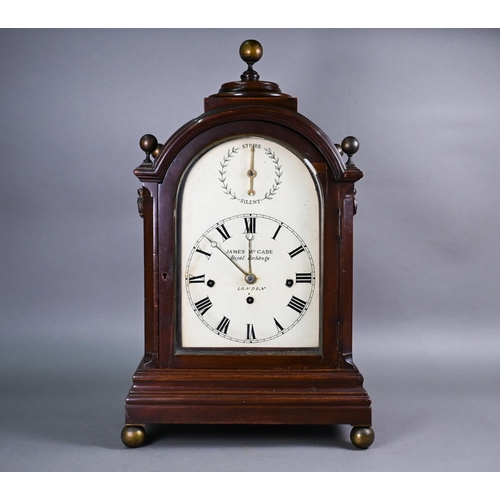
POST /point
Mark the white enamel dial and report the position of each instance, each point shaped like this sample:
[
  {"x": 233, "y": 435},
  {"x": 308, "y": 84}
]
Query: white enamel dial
[
  {"x": 250, "y": 278},
  {"x": 249, "y": 220}
]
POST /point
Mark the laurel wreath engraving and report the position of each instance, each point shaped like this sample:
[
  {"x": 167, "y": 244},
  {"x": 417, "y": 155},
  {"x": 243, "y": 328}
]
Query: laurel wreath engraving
[
  {"x": 277, "y": 171},
  {"x": 224, "y": 163}
]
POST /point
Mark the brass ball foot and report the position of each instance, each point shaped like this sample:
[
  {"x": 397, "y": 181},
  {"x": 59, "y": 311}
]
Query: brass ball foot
[
  {"x": 362, "y": 437},
  {"x": 133, "y": 436}
]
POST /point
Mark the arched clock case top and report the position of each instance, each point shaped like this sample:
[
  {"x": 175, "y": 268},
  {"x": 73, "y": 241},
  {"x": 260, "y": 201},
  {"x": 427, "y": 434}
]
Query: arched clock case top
[
  {"x": 248, "y": 377},
  {"x": 222, "y": 123},
  {"x": 329, "y": 353}
]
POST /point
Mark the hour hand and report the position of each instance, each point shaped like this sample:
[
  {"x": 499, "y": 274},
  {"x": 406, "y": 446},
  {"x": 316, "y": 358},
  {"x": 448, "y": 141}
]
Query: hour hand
[
  {"x": 249, "y": 277},
  {"x": 249, "y": 237}
]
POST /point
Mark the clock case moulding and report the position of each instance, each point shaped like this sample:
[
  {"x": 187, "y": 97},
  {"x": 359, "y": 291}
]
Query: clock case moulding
[{"x": 247, "y": 388}]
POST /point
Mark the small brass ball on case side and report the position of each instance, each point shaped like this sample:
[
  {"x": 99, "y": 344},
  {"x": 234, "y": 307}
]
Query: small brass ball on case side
[
  {"x": 157, "y": 151},
  {"x": 350, "y": 146},
  {"x": 148, "y": 144}
]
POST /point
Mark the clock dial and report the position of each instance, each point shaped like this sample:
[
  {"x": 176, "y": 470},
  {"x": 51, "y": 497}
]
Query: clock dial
[
  {"x": 250, "y": 170},
  {"x": 250, "y": 234},
  {"x": 250, "y": 278}
]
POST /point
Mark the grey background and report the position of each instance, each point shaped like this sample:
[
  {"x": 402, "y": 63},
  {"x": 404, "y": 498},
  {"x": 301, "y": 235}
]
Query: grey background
[{"x": 424, "y": 105}]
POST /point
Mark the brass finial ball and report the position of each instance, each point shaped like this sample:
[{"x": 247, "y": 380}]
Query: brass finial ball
[
  {"x": 251, "y": 51},
  {"x": 148, "y": 143},
  {"x": 350, "y": 145}
]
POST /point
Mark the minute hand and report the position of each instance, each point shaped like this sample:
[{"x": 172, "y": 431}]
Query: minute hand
[{"x": 216, "y": 245}]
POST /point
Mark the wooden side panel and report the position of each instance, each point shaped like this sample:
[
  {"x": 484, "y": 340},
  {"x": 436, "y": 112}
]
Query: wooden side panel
[
  {"x": 345, "y": 275},
  {"x": 151, "y": 300}
]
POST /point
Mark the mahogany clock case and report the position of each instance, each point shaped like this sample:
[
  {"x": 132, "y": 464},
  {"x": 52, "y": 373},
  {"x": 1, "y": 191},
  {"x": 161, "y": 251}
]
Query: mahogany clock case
[{"x": 289, "y": 386}]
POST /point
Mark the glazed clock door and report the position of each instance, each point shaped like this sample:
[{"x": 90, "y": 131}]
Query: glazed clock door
[{"x": 250, "y": 232}]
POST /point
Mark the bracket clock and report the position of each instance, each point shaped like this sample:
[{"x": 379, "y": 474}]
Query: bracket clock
[{"x": 248, "y": 251}]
